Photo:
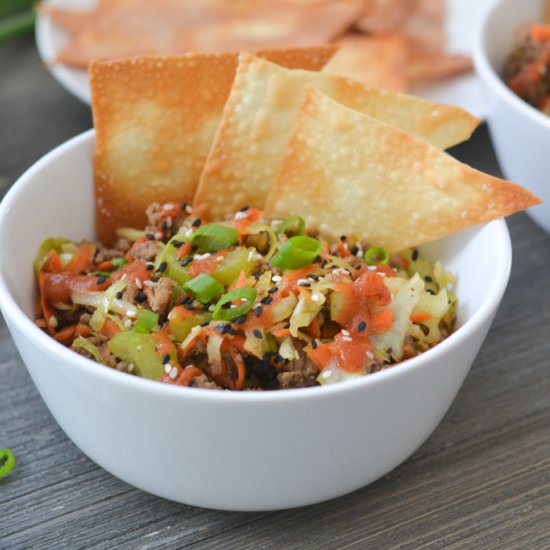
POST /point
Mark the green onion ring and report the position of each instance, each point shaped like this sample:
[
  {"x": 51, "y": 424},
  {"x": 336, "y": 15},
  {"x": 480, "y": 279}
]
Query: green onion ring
[
  {"x": 203, "y": 287},
  {"x": 297, "y": 252},
  {"x": 289, "y": 222},
  {"x": 213, "y": 237},
  {"x": 222, "y": 314},
  {"x": 8, "y": 459},
  {"x": 376, "y": 255}
]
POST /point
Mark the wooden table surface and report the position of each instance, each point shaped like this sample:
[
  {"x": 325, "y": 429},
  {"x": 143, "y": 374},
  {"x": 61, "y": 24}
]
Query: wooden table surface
[{"x": 482, "y": 480}]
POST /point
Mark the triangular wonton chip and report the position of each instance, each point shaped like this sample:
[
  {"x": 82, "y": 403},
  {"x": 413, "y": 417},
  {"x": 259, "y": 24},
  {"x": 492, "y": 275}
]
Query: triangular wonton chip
[
  {"x": 347, "y": 173},
  {"x": 257, "y": 119},
  {"x": 155, "y": 119}
]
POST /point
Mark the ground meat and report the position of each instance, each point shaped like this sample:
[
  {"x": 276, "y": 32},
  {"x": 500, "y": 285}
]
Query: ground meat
[
  {"x": 298, "y": 373},
  {"x": 146, "y": 251},
  {"x": 130, "y": 292},
  {"x": 203, "y": 382},
  {"x": 160, "y": 296},
  {"x": 154, "y": 215}
]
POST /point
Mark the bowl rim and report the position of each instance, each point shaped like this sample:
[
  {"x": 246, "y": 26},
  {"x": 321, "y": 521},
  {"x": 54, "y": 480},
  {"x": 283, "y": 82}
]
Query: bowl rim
[
  {"x": 488, "y": 73},
  {"x": 14, "y": 314}
]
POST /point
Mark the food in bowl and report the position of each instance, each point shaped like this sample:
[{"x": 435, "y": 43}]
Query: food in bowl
[
  {"x": 242, "y": 304},
  {"x": 527, "y": 69}
]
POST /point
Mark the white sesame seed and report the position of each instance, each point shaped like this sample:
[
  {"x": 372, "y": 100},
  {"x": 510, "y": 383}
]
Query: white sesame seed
[
  {"x": 167, "y": 207},
  {"x": 211, "y": 308},
  {"x": 371, "y": 268},
  {"x": 124, "y": 277},
  {"x": 241, "y": 215},
  {"x": 303, "y": 281},
  {"x": 189, "y": 232},
  {"x": 158, "y": 235},
  {"x": 173, "y": 373},
  {"x": 315, "y": 297},
  {"x": 127, "y": 323},
  {"x": 139, "y": 348},
  {"x": 276, "y": 278},
  {"x": 345, "y": 332},
  {"x": 250, "y": 255},
  {"x": 370, "y": 355},
  {"x": 52, "y": 322},
  {"x": 149, "y": 283},
  {"x": 347, "y": 339},
  {"x": 202, "y": 256},
  {"x": 130, "y": 367},
  {"x": 139, "y": 284},
  {"x": 167, "y": 368},
  {"x": 188, "y": 209},
  {"x": 219, "y": 259}
]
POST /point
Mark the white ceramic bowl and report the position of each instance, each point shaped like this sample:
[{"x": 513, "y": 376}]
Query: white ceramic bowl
[
  {"x": 231, "y": 450},
  {"x": 520, "y": 133}
]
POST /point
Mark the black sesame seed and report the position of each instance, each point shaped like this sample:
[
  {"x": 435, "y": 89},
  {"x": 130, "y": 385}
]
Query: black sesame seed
[
  {"x": 244, "y": 208},
  {"x": 279, "y": 358},
  {"x": 186, "y": 261},
  {"x": 258, "y": 311},
  {"x": 361, "y": 326},
  {"x": 162, "y": 267},
  {"x": 227, "y": 305},
  {"x": 272, "y": 290},
  {"x": 313, "y": 277},
  {"x": 150, "y": 236},
  {"x": 430, "y": 291},
  {"x": 317, "y": 259},
  {"x": 314, "y": 344},
  {"x": 354, "y": 249},
  {"x": 205, "y": 324},
  {"x": 194, "y": 247},
  {"x": 184, "y": 205},
  {"x": 165, "y": 359},
  {"x": 187, "y": 300},
  {"x": 118, "y": 295},
  {"x": 266, "y": 300},
  {"x": 414, "y": 255},
  {"x": 287, "y": 325},
  {"x": 428, "y": 279},
  {"x": 220, "y": 328},
  {"x": 325, "y": 262},
  {"x": 177, "y": 244},
  {"x": 304, "y": 283},
  {"x": 256, "y": 275},
  {"x": 257, "y": 333},
  {"x": 190, "y": 307},
  {"x": 343, "y": 237},
  {"x": 164, "y": 225},
  {"x": 141, "y": 296},
  {"x": 240, "y": 320},
  {"x": 150, "y": 267},
  {"x": 101, "y": 279},
  {"x": 196, "y": 222}
]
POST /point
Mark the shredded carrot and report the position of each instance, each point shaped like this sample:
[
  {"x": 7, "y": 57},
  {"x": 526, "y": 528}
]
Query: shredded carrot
[
  {"x": 540, "y": 32},
  {"x": 420, "y": 316},
  {"x": 105, "y": 266},
  {"x": 240, "y": 282},
  {"x": 187, "y": 375},
  {"x": 82, "y": 330},
  {"x": 42, "y": 277},
  {"x": 184, "y": 250},
  {"x": 241, "y": 369},
  {"x": 52, "y": 263},
  {"x": 242, "y": 225},
  {"x": 81, "y": 261},
  {"x": 314, "y": 328},
  {"x": 65, "y": 335},
  {"x": 344, "y": 252},
  {"x": 280, "y": 332},
  {"x": 109, "y": 328},
  {"x": 130, "y": 254}
]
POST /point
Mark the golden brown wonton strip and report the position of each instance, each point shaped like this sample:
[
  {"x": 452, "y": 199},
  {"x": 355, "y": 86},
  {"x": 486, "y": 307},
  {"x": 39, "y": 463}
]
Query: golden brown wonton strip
[
  {"x": 347, "y": 173},
  {"x": 155, "y": 119},
  {"x": 257, "y": 120}
]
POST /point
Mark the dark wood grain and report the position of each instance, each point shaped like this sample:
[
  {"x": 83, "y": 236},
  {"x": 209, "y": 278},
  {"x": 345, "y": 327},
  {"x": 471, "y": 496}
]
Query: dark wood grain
[{"x": 482, "y": 480}]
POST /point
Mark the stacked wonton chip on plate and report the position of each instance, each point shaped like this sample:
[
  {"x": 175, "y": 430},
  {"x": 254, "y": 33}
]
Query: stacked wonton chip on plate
[{"x": 350, "y": 158}]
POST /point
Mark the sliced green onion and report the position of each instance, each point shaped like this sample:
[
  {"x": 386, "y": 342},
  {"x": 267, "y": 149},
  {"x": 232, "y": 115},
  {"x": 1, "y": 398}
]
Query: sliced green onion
[
  {"x": 258, "y": 228},
  {"x": 146, "y": 321},
  {"x": 52, "y": 243},
  {"x": 203, "y": 287},
  {"x": 290, "y": 222},
  {"x": 117, "y": 262},
  {"x": 17, "y": 25},
  {"x": 376, "y": 255},
  {"x": 7, "y": 462},
  {"x": 297, "y": 252},
  {"x": 247, "y": 295},
  {"x": 81, "y": 342},
  {"x": 213, "y": 237}
]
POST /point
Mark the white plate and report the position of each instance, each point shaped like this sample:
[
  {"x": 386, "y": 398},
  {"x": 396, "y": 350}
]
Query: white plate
[{"x": 460, "y": 24}]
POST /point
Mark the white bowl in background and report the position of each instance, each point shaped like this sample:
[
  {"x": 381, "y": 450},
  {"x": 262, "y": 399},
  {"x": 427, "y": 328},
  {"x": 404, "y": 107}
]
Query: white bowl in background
[
  {"x": 520, "y": 133},
  {"x": 234, "y": 450}
]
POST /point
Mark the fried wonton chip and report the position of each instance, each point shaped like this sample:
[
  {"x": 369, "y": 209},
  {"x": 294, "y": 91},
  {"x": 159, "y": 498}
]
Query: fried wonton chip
[
  {"x": 257, "y": 120},
  {"x": 432, "y": 66},
  {"x": 124, "y": 28},
  {"x": 347, "y": 173},
  {"x": 383, "y": 16},
  {"x": 155, "y": 119},
  {"x": 377, "y": 60}
]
